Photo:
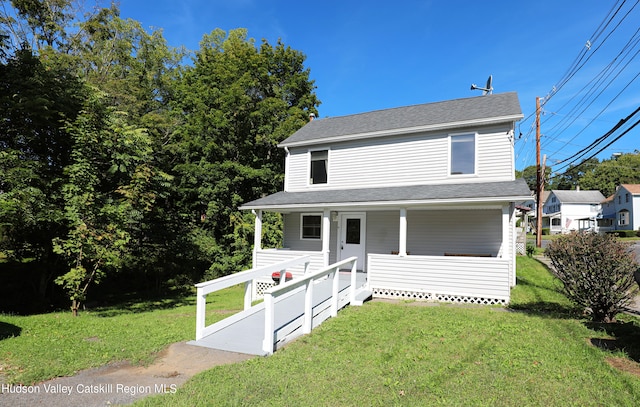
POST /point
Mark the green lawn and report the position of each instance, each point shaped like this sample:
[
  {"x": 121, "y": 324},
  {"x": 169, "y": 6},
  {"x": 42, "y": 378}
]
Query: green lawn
[
  {"x": 38, "y": 347},
  {"x": 385, "y": 354},
  {"x": 538, "y": 352}
]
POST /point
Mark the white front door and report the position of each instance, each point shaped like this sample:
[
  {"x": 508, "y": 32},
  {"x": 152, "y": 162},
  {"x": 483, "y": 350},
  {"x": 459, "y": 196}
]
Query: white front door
[{"x": 351, "y": 241}]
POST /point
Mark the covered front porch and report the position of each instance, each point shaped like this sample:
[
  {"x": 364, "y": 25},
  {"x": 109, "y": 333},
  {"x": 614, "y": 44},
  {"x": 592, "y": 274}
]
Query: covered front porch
[
  {"x": 458, "y": 253},
  {"x": 448, "y": 242}
]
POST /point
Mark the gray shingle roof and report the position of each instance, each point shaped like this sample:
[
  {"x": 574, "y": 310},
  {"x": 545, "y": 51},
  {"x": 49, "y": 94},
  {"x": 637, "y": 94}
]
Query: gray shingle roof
[
  {"x": 416, "y": 194},
  {"x": 489, "y": 108},
  {"x": 579, "y": 196}
]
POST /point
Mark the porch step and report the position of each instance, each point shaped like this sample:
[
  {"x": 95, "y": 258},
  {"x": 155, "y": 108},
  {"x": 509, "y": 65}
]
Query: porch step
[{"x": 362, "y": 296}]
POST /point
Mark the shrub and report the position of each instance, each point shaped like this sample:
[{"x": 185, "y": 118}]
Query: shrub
[
  {"x": 597, "y": 272},
  {"x": 546, "y": 231},
  {"x": 531, "y": 250},
  {"x": 622, "y": 233}
]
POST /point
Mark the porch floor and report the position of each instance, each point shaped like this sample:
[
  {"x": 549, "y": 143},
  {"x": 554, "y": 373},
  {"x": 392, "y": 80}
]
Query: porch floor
[{"x": 246, "y": 335}]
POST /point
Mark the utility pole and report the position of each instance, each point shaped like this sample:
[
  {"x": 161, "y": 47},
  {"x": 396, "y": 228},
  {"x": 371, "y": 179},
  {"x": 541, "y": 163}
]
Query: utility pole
[{"x": 539, "y": 179}]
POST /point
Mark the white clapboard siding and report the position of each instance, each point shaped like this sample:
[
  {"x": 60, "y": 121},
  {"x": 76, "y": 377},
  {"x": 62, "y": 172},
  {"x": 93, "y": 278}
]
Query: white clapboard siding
[
  {"x": 419, "y": 158},
  {"x": 273, "y": 256},
  {"x": 453, "y": 276},
  {"x": 438, "y": 232}
]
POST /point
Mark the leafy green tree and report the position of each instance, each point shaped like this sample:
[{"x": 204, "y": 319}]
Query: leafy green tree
[
  {"x": 530, "y": 174},
  {"x": 238, "y": 102},
  {"x": 571, "y": 178},
  {"x": 109, "y": 188},
  {"x": 624, "y": 169}
]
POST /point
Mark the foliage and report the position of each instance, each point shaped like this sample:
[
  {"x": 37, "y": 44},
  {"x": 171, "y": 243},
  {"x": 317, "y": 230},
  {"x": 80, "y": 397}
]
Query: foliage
[
  {"x": 531, "y": 250},
  {"x": 596, "y": 272},
  {"x": 228, "y": 143},
  {"x": 530, "y": 175},
  {"x": 115, "y": 155},
  {"x": 623, "y": 169},
  {"x": 623, "y": 233},
  {"x": 572, "y": 177}
]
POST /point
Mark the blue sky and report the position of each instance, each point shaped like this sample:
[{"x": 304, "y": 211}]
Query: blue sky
[{"x": 370, "y": 55}]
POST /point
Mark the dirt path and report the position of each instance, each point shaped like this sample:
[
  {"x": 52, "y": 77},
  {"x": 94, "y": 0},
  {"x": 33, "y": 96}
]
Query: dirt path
[{"x": 121, "y": 383}]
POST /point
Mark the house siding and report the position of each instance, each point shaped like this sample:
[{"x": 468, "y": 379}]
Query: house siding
[
  {"x": 435, "y": 233},
  {"x": 419, "y": 158},
  {"x": 440, "y": 278}
]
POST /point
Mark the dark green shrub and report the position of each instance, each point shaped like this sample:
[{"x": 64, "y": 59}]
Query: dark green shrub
[
  {"x": 597, "y": 272},
  {"x": 531, "y": 250},
  {"x": 546, "y": 231},
  {"x": 622, "y": 233}
]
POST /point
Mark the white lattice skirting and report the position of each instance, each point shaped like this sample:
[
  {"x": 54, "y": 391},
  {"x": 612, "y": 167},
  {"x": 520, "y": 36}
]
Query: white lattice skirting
[
  {"x": 260, "y": 286},
  {"x": 520, "y": 247},
  {"x": 426, "y": 296}
]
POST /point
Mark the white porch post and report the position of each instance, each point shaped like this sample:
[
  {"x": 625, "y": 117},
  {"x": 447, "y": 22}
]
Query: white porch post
[
  {"x": 402, "y": 250},
  {"x": 257, "y": 237},
  {"x": 505, "y": 233},
  {"x": 326, "y": 233}
]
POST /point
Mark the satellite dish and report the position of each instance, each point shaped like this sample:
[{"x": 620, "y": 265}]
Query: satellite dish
[{"x": 487, "y": 89}]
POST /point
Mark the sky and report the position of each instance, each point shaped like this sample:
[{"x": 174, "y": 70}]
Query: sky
[{"x": 372, "y": 55}]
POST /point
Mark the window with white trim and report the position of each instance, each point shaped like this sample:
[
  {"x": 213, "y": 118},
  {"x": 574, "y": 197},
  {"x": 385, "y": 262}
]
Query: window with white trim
[
  {"x": 463, "y": 154},
  {"x": 555, "y": 222},
  {"x": 319, "y": 167},
  {"x": 623, "y": 218},
  {"x": 311, "y": 226}
]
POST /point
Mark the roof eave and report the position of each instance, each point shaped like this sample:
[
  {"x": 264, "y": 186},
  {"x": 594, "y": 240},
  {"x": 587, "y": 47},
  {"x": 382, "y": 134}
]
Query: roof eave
[
  {"x": 405, "y": 130},
  {"x": 382, "y": 204}
]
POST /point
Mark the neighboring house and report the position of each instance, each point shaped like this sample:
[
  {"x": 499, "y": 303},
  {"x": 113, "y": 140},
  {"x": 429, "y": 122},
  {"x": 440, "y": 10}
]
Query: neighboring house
[
  {"x": 423, "y": 195},
  {"x": 566, "y": 211},
  {"x": 618, "y": 210}
]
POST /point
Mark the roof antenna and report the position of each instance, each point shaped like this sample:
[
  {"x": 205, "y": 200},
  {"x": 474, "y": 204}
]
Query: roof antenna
[{"x": 487, "y": 89}]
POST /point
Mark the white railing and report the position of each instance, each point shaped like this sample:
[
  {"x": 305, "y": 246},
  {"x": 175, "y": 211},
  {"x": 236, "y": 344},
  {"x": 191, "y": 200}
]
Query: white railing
[
  {"x": 272, "y": 294},
  {"x": 247, "y": 277}
]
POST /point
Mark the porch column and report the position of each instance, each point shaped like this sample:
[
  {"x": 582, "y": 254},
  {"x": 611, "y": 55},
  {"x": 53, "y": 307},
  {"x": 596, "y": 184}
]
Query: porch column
[
  {"x": 505, "y": 232},
  {"x": 402, "y": 250},
  {"x": 326, "y": 233},
  {"x": 257, "y": 237}
]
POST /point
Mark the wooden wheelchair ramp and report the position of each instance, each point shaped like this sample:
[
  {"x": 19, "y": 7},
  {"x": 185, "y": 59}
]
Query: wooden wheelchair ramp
[{"x": 244, "y": 332}]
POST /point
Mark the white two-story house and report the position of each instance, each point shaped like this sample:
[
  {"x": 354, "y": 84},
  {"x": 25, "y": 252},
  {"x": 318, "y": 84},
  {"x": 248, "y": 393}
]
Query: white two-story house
[
  {"x": 567, "y": 211},
  {"x": 423, "y": 195}
]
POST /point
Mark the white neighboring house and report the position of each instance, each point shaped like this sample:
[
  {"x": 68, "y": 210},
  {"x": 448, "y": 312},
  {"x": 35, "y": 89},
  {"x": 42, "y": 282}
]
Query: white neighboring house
[
  {"x": 424, "y": 196},
  {"x": 566, "y": 211},
  {"x": 619, "y": 209}
]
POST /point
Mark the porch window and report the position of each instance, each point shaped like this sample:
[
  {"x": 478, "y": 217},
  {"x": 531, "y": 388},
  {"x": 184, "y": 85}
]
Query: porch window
[
  {"x": 319, "y": 166},
  {"x": 311, "y": 226},
  {"x": 463, "y": 154},
  {"x": 623, "y": 218},
  {"x": 555, "y": 222}
]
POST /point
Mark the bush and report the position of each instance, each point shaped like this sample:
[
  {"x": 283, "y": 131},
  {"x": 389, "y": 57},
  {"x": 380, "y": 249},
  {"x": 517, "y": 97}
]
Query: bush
[
  {"x": 546, "y": 231},
  {"x": 623, "y": 233},
  {"x": 531, "y": 250},
  {"x": 597, "y": 272}
]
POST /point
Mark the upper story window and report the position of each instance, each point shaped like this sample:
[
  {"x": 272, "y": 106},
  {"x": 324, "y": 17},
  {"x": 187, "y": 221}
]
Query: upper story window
[
  {"x": 623, "y": 217},
  {"x": 463, "y": 154},
  {"x": 311, "y": 226},
  {"x": 619, "y": 199},
  {"x": 319, "y": 167},
  {"x": 626, "y": 197}
]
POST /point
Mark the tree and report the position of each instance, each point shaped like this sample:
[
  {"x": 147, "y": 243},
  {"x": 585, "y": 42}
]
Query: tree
[
  {"x": 623, "y": 169},
  {"x": 107, "y": 192},
  {"x": 238, "y": 102},
  {"x": 530, "y": 174},
  {"x": 572, "y": 178},
  {"x": 597, "y": 272}
]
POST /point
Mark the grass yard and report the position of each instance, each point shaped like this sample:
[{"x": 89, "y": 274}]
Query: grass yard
[
  {"x": 38, "y": 347},
  {"x": 385, "y": 354},
  {"x": 539, "y": 352}
]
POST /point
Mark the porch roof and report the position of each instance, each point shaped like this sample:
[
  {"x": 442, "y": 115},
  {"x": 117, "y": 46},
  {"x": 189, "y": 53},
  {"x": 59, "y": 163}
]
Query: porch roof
[{"x": 413, "y": 195}]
